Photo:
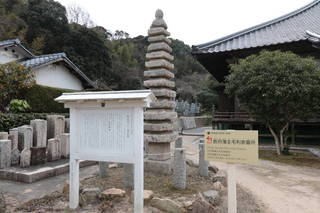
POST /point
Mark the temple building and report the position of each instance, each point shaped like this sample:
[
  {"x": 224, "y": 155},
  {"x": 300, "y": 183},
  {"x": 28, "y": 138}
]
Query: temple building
[{"x": 298, "y": 31}]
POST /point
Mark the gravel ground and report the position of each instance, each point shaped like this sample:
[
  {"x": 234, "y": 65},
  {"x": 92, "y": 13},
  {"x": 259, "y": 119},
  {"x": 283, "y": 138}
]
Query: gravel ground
[{"x": 160, "y": 184}]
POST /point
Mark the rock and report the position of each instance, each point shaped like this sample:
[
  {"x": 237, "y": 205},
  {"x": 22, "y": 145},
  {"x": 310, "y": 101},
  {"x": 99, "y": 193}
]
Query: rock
[
  {"x": 191, "y": 163},
  {"x": 212, "y": 196},
  {"x": 4, "y": 136},
  {"x": 187, "y": 204},
  {"x": 200, "y": 205},
  {"x": 147, "y": 196},
  {"x": 39, "y": 127},
  {"x": 158, "y": 127},
  {"x": 159, "y": 55},
  {"x": 66, "y": 187},
  {"x": 113, "y": 193},
  {"x": 220, "y": 176},
  {"x": 217, "y": 186},
  {"x": 166, "y": 93},
  {"x": 113, "y": 165},
  {"x": 5, "y": 153},
  {"x": 13, "y": 136},
  {"x": 25, "y": 137},
  {"x": 91, "y": 195},
  {"x": 159, "y": 63},
  {"x": 213, "y": 168},
  {"x": 160, "y": 115},
  {"x": 15, "y": 156},
  {"x": 155, "y": 31},
  {"x": 25, "y": 158},
  {"x": 167, "y": 205}
]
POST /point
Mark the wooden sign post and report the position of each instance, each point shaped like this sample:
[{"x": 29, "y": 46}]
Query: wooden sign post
[
  {"x": 231, "y": 146},
  {"x": 107, "y": 126}
]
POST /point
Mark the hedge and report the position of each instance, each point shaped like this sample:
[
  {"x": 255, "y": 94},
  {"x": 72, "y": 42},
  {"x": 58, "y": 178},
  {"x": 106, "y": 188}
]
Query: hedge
[
  {"x": 11, "y": 120},
  {"x": 41, "y": 99}
]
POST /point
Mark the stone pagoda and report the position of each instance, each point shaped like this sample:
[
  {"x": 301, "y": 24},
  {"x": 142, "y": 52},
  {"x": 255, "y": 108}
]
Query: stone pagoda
[{"x": 159, "y": 129}]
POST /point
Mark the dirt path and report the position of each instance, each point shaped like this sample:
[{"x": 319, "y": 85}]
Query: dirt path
[{"x": 282, "y": 188}]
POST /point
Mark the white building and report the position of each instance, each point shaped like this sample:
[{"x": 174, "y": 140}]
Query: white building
[{"x": 53, "y": 70}]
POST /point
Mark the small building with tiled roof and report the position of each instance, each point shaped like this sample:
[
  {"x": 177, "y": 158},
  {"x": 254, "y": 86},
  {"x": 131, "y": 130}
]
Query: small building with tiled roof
[
  {"x": 298, "y": 31},
  {"x": 53, "y": 70}
]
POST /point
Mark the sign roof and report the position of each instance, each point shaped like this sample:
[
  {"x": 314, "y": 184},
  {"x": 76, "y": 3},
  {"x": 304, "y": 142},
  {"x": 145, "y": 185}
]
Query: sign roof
[{"x": 146, "y": 95}]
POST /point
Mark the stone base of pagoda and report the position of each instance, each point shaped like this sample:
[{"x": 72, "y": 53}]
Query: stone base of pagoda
[{"x": 158, "y": 167}]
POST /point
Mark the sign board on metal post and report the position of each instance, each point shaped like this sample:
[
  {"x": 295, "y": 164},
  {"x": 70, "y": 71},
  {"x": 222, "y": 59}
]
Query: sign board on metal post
[
  {"x": 231, "y": 146},
  {"x": 107, "y": 126}
]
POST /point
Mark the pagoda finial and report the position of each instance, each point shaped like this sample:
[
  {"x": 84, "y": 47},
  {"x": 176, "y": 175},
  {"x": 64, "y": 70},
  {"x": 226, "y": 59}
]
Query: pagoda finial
[
  {"x": 159, "y": 22},
  {"x": 159, "y": 14}
]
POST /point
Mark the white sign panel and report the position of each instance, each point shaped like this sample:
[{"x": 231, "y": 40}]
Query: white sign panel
[{"x": 107, "y": 126}]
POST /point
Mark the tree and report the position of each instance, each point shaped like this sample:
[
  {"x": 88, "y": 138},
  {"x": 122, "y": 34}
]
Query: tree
[
  {"x": 14, "y": 79},
  {"x": 276, "y": 87},
  {"x": 78, "y": 15}
]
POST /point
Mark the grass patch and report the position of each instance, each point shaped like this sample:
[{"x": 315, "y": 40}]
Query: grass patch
[{"x": 296, "y": 158}]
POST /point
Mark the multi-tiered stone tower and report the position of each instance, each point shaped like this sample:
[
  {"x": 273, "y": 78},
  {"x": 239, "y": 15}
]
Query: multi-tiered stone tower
[{"x": 159, "y": 118}]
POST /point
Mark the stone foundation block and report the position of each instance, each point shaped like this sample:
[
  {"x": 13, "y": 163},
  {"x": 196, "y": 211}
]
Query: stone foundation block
[
  {"x": 155, "y": 31},
  {"x": 159, "y": 63},
  {"x": 159, "y": 55},
  {"x": 164, "y": 73},
  {"x": 159, "y": 151}
]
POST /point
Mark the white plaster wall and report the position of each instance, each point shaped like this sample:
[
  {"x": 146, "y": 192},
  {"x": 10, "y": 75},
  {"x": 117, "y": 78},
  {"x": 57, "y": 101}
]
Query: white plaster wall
[
  {"x": 9, "y": 55},
  {"x": 57, "y": 75}
]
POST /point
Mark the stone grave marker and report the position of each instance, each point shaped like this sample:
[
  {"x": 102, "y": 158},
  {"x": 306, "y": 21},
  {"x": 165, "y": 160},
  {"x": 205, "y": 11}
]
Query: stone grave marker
[
  {"x": 25, "y": 158},
  {"x": 5, "y": 153},
  {"x": 39, "y": 127},
  {"x": 25, "y": 137},
  {"x": 56, "y": 126},
  {"x": 65, "y": 145},
  {"x": 4, "y": 136},
  {"x": 53, "y": 149},
  {"x": 13, "y": 136}
]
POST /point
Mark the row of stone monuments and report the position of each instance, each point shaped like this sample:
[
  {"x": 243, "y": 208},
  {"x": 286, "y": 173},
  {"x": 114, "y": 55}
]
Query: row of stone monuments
[
  {"x": 187, "y": 109},
  {"x": 35, "y": 144}
]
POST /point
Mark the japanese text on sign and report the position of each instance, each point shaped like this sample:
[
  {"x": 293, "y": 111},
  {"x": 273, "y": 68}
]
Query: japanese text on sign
[{"x": 231, "y": 146}]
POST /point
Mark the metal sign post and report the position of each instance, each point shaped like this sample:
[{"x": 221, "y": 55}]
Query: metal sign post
[
  {"x": 107, "y": 127},
  {"x": 232, "y": 146}
]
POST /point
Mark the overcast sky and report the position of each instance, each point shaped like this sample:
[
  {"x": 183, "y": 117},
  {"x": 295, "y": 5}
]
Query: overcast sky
[{"x": 192, "y": 21}]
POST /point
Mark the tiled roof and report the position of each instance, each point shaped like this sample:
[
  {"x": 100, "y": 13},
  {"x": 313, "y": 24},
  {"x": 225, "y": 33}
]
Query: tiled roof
[
  {"x": 52, "y": 58},
  {"x": 9, "y": 42},
  {"x": 17, "y": 42},
  {"x": 43, "y": 59},
  {"x": 288, "y": 28}
]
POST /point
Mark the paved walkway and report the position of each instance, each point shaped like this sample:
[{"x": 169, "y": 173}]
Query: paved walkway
[
  {"x": 282, "y": 188},
  {"x": 22, "y": 192}
]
